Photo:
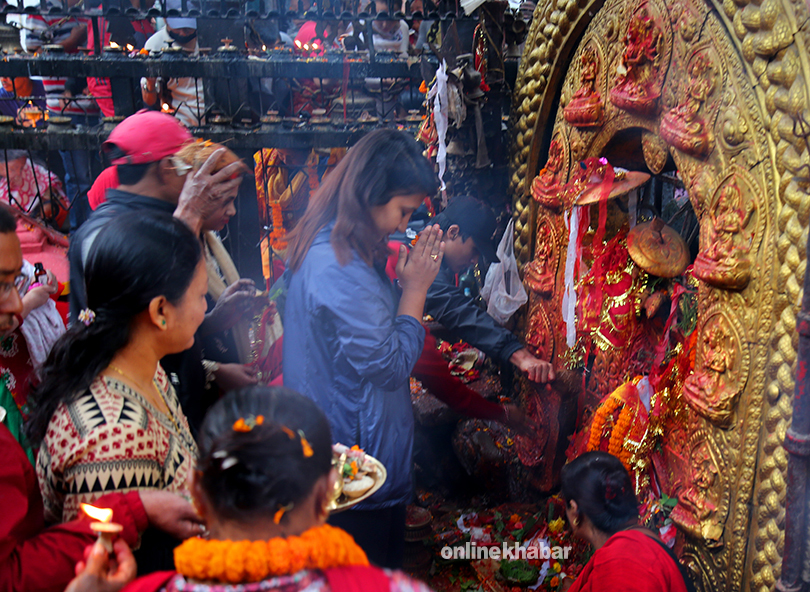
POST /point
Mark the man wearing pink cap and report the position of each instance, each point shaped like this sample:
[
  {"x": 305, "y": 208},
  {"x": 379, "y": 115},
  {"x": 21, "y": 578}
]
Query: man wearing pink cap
[{"x": 142, "y": 147}]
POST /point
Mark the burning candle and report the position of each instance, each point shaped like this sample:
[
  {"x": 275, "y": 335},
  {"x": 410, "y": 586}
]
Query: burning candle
[{"x": 107, "y": 530}]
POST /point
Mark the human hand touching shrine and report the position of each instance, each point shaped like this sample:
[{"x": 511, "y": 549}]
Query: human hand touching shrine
[{"x": 533, "y": 368}]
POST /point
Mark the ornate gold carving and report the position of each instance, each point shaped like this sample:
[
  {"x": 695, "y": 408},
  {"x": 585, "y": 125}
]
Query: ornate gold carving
[
  {"x": 655, "y": 152},
  {"x": 703, "y": 503},
  {"x": 721, "y": 370},
  {"x": 541, "y": 274},
  {"x": 540, "y": 335},
  {"x": 639, "y": 80},
  {"x": 756, "y": 130},
  {"x": 585, "y": 108},
  {"x": 547, "y": 185},
  {"x": 683, "y": 127},
  {"x": 725, "y": 261},
  {"x": 734, "y": 127}
]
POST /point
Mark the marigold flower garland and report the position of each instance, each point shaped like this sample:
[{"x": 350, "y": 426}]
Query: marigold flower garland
[
  {"x": 237, "y": 562},
  {"x": 623, "y": 427}
]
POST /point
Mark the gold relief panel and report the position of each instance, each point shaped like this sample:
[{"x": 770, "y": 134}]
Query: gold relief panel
[
  {"x": 685, "y": 127},
  {"x": 655, "y": 152},
  {"x": 728, "y": 233},
  {"x": 753, "y": 102},
  {"x": 703, "y": 501},
  {"x": 547, "y": 185},
  {"x": 721, "y": 367},
  {"x": 540, "y": 333},
  {"x": 540, "y": 274},
  {"x": 586, "y": 108},
  {"x": 642, "y": 66}
]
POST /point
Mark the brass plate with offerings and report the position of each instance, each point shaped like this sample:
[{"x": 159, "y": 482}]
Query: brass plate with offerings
[{"x": 361, "y": 474}]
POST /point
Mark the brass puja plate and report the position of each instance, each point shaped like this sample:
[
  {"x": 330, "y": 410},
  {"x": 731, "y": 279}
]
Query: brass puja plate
[
  {"x": 380, "y": 474},
  {"x": 658, "y": 249}
]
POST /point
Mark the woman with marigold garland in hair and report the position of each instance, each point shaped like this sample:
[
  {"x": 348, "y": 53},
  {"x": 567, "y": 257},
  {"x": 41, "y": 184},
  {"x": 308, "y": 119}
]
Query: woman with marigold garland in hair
[
  {"x": 263, "y": 484},
  {"x": 602, "y": 509}
]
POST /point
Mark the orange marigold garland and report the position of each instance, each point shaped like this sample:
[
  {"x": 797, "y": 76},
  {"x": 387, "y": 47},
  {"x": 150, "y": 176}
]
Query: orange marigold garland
[
  {"x": 278, "y": 234},
  {"x": 322, "y": 547},
  {"x": 627, "y": 430}
]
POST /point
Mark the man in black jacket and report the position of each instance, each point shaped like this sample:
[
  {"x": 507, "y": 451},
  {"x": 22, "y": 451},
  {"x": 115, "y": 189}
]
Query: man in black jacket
[{"x": 468, "y": 225}]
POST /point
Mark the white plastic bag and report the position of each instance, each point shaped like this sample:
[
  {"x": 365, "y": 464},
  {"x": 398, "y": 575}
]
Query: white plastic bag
[{"x": 503, "y": 290}]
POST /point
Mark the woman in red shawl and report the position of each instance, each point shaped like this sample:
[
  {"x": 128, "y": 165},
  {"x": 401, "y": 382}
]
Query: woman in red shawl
[{"x": 602, "y": 509}]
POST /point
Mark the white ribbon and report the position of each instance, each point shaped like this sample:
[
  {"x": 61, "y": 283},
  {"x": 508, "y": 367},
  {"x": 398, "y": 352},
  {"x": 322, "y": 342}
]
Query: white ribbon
[
  {"x": 569, "y": 301},
  {"x": 440, "y": 113}
]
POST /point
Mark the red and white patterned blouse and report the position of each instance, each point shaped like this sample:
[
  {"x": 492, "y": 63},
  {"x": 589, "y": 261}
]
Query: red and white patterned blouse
[{"x": 113, "y": 439}]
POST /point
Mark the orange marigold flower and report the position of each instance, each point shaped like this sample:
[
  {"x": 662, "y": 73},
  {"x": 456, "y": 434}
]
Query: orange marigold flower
[
  {"x": 240, "y": 426},
  {"x": 555, "y": 581}
]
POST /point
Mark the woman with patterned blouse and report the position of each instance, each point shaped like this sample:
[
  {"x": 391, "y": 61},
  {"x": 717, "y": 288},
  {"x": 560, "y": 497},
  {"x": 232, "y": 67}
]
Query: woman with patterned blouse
[{"x": 105, "y": 416}]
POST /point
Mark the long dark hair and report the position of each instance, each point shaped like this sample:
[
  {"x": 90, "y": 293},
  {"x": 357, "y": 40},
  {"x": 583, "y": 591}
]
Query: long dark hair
[
  {"x": 383, "y": 164},
  {"x": 247, "y": 474},
  {"x": 133, "y": 259},
  {"x": 602, "y": 488}
]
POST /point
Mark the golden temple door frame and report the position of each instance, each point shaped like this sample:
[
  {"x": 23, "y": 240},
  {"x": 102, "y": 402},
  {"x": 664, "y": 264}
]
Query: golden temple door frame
[{"x": 769, "y": 56}]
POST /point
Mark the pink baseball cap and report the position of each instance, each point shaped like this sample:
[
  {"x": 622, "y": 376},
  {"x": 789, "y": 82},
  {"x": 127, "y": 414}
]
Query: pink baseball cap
[{"x": 146, "y": 137}]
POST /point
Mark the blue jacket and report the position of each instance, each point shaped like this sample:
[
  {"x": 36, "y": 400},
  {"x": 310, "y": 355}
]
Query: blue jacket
[{"x": 346, "y": 349}]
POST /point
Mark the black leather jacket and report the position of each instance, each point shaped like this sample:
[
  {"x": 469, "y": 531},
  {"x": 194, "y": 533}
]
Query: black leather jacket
[{"x": 464, "y": 319}]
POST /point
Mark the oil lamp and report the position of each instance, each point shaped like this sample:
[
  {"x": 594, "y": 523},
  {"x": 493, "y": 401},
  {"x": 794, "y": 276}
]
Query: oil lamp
[{"x": 103, "y": 525}]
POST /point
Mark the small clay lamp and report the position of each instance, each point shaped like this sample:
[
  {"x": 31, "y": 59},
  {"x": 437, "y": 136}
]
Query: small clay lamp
[
  {"x": 271, "y": 117},
  {"x": 103, "y": 525},
  {"x": 113, "y": 48}
]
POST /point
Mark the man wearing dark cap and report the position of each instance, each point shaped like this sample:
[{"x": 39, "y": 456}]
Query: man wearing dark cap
[{"x": 468, "y": 225}]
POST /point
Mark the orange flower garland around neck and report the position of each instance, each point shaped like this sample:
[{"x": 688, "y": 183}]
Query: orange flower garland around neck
[{"x": 239, "y": 562}]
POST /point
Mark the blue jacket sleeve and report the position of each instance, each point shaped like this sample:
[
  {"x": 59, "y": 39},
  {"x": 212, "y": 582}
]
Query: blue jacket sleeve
[{"x": 380, "y": 346}]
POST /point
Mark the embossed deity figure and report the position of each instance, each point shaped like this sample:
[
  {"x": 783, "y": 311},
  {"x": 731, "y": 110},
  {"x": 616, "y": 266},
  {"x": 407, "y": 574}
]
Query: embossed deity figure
[
  {"x": 539, "y": 273},
  {"x": 638, "y": 88},
  {"x": 697, "y": 510},
  {"x": 710, "y": 390},
  {"x": 585, "y": 107},
  {"x": 724, "y": 261},
  {"x": 547, "y": 185},
  {"x": 682, "y": 127}
]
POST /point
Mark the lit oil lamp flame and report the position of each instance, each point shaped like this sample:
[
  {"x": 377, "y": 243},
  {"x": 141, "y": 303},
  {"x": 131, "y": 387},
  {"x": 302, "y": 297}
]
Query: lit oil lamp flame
[
  {"x": 114, "y": 45},
  {"x": 130, "y": 47},
  {"x": 103, "y": 525},
  {"x": 99, "y": 514},
  {"x": 264, "y": 48}
]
